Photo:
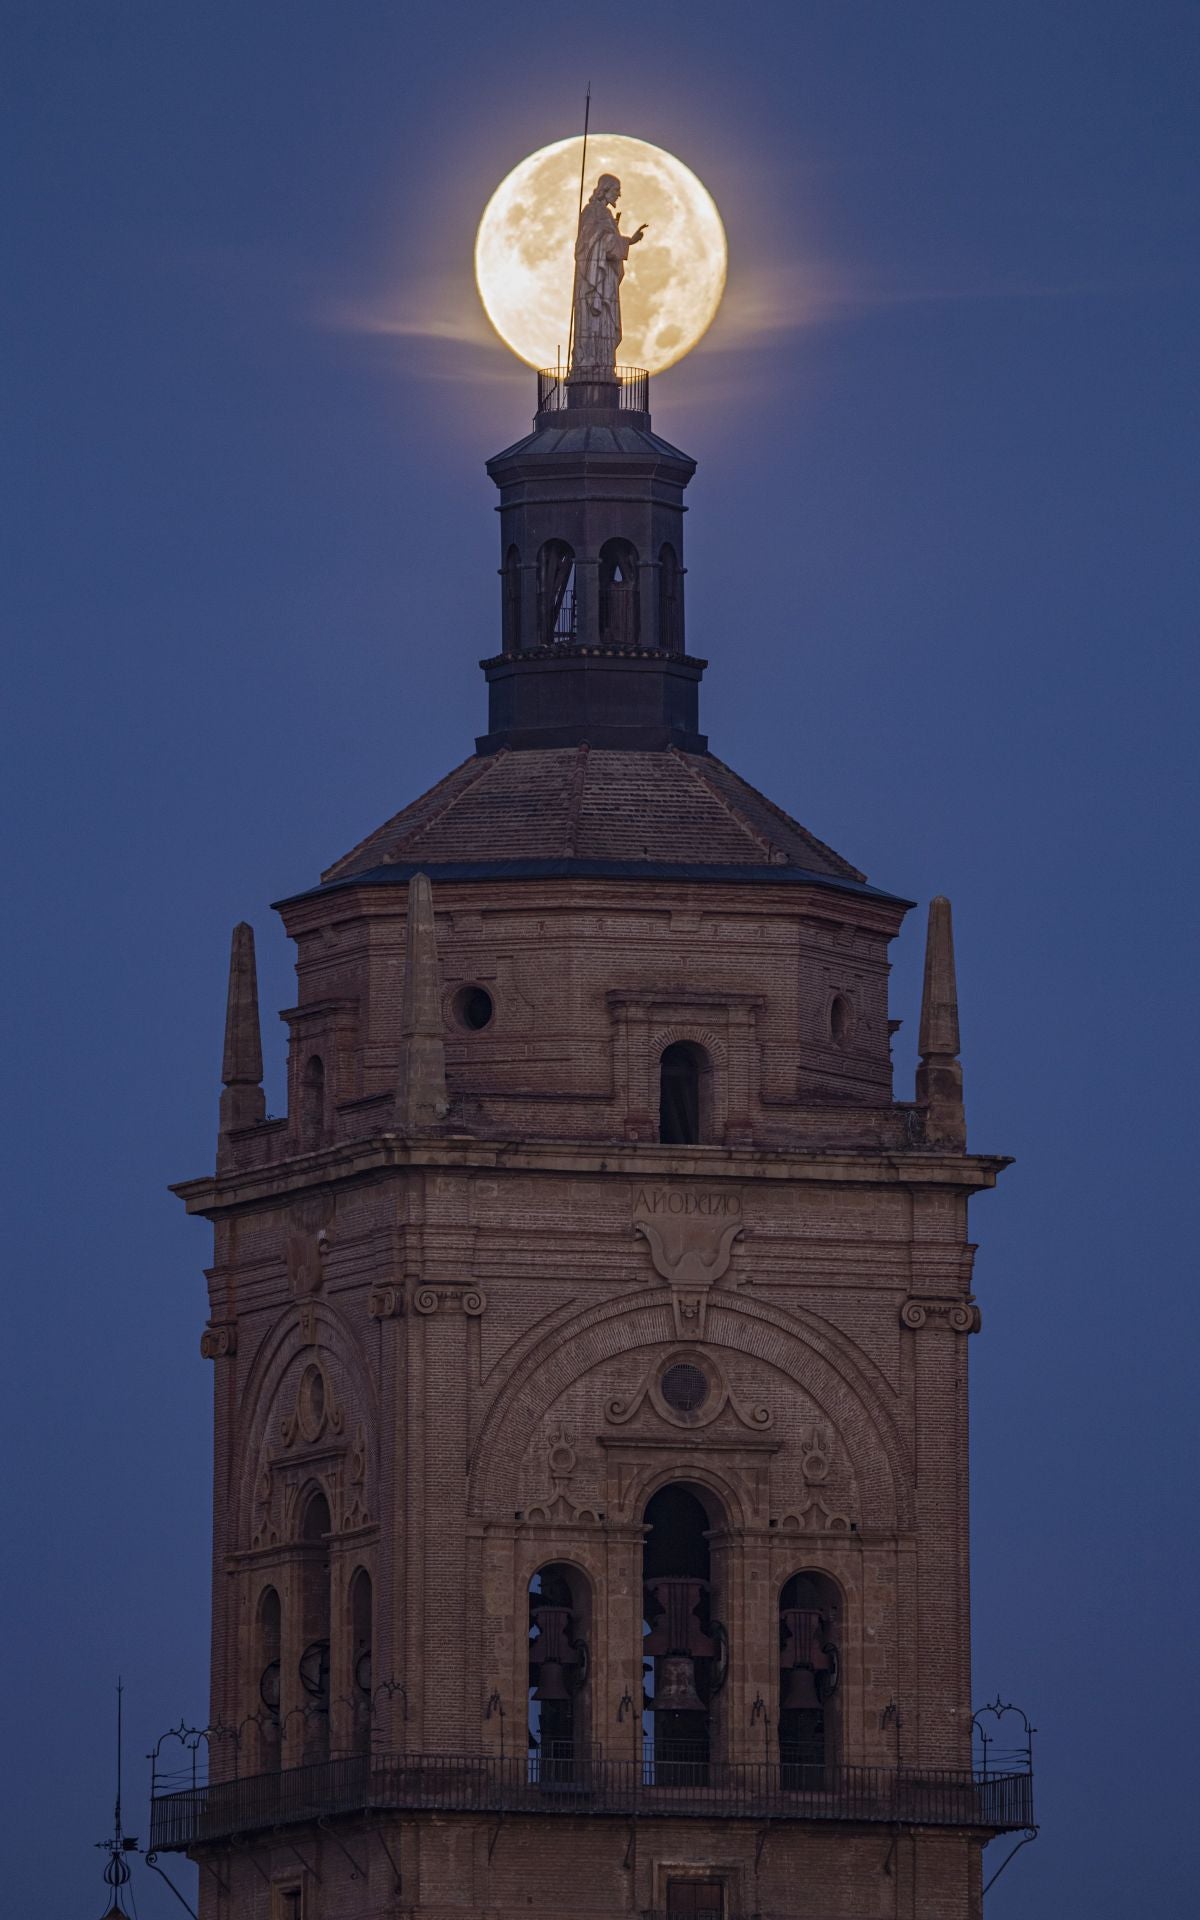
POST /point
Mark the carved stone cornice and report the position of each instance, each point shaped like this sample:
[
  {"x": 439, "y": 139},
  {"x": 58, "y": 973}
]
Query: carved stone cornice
[{"x": 356, "y": 1160}]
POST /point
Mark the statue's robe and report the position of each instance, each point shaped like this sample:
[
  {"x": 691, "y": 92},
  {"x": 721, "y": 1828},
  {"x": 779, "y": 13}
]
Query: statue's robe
[{"x": 601, "y": 250}]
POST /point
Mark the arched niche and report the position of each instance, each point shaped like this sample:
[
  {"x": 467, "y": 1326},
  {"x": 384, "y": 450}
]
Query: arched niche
[
  {"x": 620, "y": 619},
  {"x": 303, "y": 1337},
  {"x": 556, "y": 613},
  {"x": 560, "y": 1629},
  {"x": 685, "y": 1652},
  {"x": 685, "y": 1102},
  {"x": 848, "y": 1392},
  {"x": 812, "y": 1635}
]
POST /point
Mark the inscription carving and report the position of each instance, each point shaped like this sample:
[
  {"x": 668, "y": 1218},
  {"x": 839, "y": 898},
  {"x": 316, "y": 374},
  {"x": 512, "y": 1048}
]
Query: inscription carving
[{"x": 690, "y": 1232}]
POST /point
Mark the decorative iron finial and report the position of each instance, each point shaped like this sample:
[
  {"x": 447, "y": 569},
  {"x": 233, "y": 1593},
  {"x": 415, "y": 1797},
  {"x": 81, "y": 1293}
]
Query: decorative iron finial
[
  {"x": 939, "y": 1076},
  {"x": 116, "y": 1867}
]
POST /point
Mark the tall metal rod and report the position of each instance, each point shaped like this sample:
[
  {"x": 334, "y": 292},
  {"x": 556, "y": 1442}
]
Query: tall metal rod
[{"x": 587, "y": 114}]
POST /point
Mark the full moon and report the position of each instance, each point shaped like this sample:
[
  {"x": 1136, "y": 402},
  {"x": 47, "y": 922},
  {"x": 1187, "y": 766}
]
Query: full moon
[{"x": 525, "y": 251}]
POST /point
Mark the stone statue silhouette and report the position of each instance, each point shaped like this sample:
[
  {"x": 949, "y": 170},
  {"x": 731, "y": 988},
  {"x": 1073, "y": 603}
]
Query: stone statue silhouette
[{"x": 601, "y": 250}]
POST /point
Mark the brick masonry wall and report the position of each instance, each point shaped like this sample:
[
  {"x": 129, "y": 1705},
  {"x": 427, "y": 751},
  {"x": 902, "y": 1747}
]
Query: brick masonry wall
[{"x": 459, "y": 1342}]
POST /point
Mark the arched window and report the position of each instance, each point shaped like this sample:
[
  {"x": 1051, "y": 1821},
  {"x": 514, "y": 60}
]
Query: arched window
[
  {"x": 808, "y": 1676},
  {"x": 670, "y": 601},
  {"x": 684, "y": 1073},
  {"x": 270, "y": 1638},
  {"x": 361, "y": 1636},
  {"x": 619, "y": 621},
  {"x": 556, "y": 593},
  {"x": 684, "y": 1645},
  {"x": 313, "y": 1672},
  {"x": 312, "y": 1102},
  {"x": 510, "y": 607},
  {"x": 559, "y": 1622}
]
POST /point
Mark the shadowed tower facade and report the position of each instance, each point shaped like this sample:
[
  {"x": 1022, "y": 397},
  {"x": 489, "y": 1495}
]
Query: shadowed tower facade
[{"x": 590, "y": 1337}]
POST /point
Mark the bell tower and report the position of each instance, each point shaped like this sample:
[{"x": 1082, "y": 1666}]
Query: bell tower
[
  {"x": 590, "y": 1515},
  {"x": 591, "y": 536}
]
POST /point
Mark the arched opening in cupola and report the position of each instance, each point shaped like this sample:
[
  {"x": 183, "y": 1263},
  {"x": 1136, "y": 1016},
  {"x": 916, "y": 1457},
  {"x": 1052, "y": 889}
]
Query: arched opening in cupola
[
  {"x": 809, "y": 1667},
  {"x": 556, "y": 593},
  {"x": 559, "y": 1621},
  {"x": 684, "y": 1077},
  {"x": 619, "y": 615},
  {"x": 683, "y": 1644}
]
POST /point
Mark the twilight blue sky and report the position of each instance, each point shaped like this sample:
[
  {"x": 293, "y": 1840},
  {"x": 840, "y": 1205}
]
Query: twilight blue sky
[{"x": 942, "y": 559}]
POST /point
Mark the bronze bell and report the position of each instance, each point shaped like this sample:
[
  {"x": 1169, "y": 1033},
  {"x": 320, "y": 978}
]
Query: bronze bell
[
  {"x": 551, "y": 1682},
  {"x": 675, "y": 1685},
  {"x": 800, "y": 1691}
]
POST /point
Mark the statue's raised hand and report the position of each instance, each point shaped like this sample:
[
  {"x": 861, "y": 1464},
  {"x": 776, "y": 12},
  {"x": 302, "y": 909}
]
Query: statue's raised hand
[{"x": 635, "y": 237}]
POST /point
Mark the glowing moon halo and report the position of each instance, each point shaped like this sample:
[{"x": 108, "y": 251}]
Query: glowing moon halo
[{"x": 524, "y": 251}]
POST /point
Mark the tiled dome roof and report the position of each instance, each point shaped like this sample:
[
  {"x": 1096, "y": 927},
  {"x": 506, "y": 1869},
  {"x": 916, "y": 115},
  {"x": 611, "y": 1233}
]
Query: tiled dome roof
[{"x": 582, "y": 806}]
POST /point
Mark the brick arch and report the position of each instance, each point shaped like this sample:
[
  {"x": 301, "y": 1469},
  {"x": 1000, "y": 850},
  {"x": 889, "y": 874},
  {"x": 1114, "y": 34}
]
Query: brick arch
[
  {"x": 692, "y": 1473},
  {"x": 706, "y": 1037},
  {"x": 285, "y": 1350},
  {"x": 842, "y": 1383}
]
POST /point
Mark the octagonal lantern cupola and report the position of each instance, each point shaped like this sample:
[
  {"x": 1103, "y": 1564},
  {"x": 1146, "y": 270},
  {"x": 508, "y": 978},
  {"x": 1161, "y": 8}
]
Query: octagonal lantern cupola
[{"x": 591, "y": 577}]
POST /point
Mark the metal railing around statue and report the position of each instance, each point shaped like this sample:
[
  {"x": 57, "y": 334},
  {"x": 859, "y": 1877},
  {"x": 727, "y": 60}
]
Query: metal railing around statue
[{"x": 628, "y": 390}]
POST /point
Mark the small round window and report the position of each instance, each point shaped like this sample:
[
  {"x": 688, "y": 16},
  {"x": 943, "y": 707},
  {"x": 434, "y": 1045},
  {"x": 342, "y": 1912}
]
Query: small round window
[
  {"x": 473, "y": 1008},
  {"x": 684, "y": 1387}
]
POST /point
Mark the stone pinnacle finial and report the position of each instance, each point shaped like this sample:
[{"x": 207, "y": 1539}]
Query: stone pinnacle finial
[
  {"x": 242, "y": 1102},
  {"x": 939, "y": 1075},
  {"x": 421, "y": 1101}
]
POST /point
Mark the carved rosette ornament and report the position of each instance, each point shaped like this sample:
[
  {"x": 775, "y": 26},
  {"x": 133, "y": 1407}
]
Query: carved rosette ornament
[{"x": 954, "y": 1316}]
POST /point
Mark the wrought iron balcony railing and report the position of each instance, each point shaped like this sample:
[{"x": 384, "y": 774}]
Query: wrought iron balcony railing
[
  {"x": 628, "y": 389},
  {"x": 524, "y": 1784}
]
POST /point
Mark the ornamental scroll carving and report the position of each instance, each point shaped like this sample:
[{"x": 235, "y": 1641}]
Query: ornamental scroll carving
[
  {"x": 219, "y": 1340},
  {"x": 717, "y": 1398},
  {"x": 558, "y": 1506},
  {"x": 472, "y": 1300},
  {"x": 956, "y": 1316},
  {"x": 813, "y": 1516}
]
